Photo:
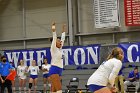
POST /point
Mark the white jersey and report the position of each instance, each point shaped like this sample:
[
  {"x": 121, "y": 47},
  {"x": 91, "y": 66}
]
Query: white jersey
[
  {"x": 46, "y": 67},
  {"x": 106, "y": 73},
  {"x": 21, "y": 70},
  {"x": 34, "y": 70},
  {"x": 57, "y": 53}
]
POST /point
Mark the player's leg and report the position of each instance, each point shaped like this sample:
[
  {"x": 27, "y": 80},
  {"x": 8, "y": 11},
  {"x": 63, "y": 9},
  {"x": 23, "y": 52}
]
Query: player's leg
[{"x": 30, "y": 84}]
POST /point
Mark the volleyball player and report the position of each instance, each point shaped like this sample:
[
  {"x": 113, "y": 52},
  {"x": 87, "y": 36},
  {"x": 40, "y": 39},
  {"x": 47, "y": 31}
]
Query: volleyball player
[
  {"x": 106, "y": 73},
  {"x": 45, "y": 69},
  {"x": 34, "y": 70},
  {"x": 57, "y": 60},
  {"x": 21, "y": 72}
]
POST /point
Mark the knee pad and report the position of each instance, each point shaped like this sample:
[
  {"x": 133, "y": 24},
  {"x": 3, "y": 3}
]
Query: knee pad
[{"x": 30, "y": 85}]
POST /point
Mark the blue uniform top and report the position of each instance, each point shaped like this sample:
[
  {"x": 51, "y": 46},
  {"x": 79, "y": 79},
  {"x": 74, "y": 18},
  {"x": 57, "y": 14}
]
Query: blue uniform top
[
  {"x": 134, "y": 76},
  {"x": 4, "y": 68}
]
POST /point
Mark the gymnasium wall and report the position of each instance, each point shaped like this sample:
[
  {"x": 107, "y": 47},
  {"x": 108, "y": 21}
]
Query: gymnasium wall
[
  {"x": 31, "y": 28},
  {"x": 105, "y": 35},
  {"x": 34, "y": 25}
]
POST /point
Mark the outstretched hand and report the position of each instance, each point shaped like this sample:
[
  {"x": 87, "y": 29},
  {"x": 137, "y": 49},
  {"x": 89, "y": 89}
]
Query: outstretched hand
[
  {"x": 64, "y": 28},
  {"x": 53, "y": 27}
]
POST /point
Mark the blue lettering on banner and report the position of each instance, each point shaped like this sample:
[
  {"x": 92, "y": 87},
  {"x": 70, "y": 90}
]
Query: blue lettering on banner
[
  {"x": 131, "y": 52},
  {"x": 74, "y": 55}
]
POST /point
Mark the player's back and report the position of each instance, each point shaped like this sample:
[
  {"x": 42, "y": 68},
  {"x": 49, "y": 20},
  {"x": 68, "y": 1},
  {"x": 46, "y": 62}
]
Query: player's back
[{"x": 101, "y": 75}]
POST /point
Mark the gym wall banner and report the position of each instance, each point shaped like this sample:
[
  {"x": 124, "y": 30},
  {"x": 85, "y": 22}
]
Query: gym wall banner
[
  {"x": 131, "y": 52},
  {"x": 132, "y": 12},
  {"x": 106, "y": 13},
  {"x": 75, "y": 55}
]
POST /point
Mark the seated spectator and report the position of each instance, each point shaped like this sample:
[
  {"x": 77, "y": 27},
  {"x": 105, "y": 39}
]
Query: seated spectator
[{"x": 133, "y": 79}]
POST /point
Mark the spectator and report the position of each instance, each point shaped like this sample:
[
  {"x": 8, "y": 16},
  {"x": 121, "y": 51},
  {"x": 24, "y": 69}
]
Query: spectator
[{"x": 133, "y": 79}]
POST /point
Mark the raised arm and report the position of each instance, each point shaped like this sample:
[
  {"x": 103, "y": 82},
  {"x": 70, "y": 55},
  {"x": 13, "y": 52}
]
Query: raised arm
[
  {"x": 53, "y": 45},
  {"x": 63, "y": 34},
  {"x": 114, "y": 73}
]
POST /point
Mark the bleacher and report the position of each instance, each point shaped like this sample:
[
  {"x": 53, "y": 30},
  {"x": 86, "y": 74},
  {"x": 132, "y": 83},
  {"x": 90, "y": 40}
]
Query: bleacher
[
  {"x": 82, "y": 72},
  {"x": 85, "y": 71}
]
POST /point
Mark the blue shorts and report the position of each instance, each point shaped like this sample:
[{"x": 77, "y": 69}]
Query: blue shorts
[
  {"x": 94, "y": 87},
  {"x": 33, "y": 76},
  {"x": 55, "y": 70},
  {"x": 45, "y": 75}
]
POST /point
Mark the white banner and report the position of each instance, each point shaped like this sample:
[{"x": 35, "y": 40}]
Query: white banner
[{"x": 106, "y": 13}]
